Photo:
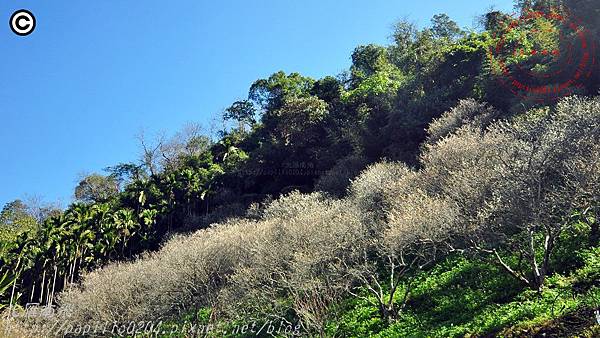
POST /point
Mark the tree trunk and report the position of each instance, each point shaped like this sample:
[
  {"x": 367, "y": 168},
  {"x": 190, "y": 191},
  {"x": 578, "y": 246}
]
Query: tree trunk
[
  {"x": 12, "y": 297},
  {"x": 32, "y": 292},
  {"x": 53, "y": 285},
  {"x": 42, "y": 287},
  {"x": 538, "y": 274},
  {"x": 388, "y": 313}
]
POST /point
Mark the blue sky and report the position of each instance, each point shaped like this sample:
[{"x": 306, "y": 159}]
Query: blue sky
[{"x": 74, "y": 94}]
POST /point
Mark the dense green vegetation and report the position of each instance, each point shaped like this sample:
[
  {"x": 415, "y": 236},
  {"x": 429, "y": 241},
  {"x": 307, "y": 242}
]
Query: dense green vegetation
[{"x": 413, "y": 195}]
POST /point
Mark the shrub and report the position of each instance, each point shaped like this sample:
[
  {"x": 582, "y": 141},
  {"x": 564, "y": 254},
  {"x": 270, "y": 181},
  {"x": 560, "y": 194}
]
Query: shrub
[
  {"x": 185, "y": 274},
  {"x": 300, "y": 253},
  {"x": 419, "y": 226},
  {"x": 469, "y": 111},
  {"x": 408, "y": 229},
  {"x": 298, "y": 250},
  {"x": 10, "y": 328},
  {"x": 461, "y": 167},
  {"x": 337, "y": 180},
  {"x": 372, "y": 189},
  {"x": 515, "y": 185}
]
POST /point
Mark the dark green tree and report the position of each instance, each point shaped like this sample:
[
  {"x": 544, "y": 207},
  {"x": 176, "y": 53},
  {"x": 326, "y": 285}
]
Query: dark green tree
[
  {"x": 366, "y": 61},
  {"x": 243, "y": 112},
  {"x": 96, "y": 188},
  {"x": 443, "y": 27},
  {"x": 269, "y": 94}
]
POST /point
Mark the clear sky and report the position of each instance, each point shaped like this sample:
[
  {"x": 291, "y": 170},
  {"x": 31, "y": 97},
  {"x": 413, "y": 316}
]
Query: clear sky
[{"x": 74, "y": 94}]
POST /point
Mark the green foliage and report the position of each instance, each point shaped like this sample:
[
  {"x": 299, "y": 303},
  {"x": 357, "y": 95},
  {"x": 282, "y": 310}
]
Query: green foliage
[
  {"x": 6, "y": 283},
  {"x": 443, "y": 27},
  {"x": 96, "y": 188},
  {"x": 466, "y": 297},
  {"x": 299, "y": 122},
  {"x": 269, "y": 94},
  {"x": 589, "y": 274},
  {"x": 328, "y": 89},
  {"x": 367, "y": 61},
  {"x": 89, "y": 235},
  {"x": 243, "y": 112},
  {"x": 573, "y": 242},
  {"x": 385, "y": 82},
  {"x": 15, "y": 218},
  {"x": 447, "y": 179}
]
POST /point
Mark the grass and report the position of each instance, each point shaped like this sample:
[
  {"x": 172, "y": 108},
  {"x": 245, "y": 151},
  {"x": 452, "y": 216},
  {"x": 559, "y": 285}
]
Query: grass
[{"x": 471, "y": 298}]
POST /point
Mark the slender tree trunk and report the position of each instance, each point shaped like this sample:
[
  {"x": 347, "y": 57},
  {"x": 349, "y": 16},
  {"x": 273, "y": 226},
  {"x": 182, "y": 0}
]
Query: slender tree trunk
[
  {"x": 71, "y": 272},
  {"x": 538, "y": 278},
  {"x": 53, "y": 285},
  {"x": 548, "y": 248},
  {"x": 388, "y": 312},
  {"x": 12, "y": 296},
  {"x": 75, "y": 268},
  {"x": 42, "y": 287},
  {"x": 32, "y": 292},
  {"x": 48, "y": 291}
]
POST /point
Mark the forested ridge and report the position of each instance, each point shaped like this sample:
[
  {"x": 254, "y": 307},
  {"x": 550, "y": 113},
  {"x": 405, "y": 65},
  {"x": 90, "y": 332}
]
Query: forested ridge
[{"x": 424, "y": 192}]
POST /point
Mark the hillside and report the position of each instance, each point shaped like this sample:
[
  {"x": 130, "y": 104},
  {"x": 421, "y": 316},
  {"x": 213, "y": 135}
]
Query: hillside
[{"x": 446, "y": 185}]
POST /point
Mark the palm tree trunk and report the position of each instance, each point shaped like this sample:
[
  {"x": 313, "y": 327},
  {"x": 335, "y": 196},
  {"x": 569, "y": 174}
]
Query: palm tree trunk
[
  {"x": 48, "y": 292},
  {"x": 32, "y": 292},
  {"x": 42, "y": 287},
  {"x": 12, "y": 296},
  {"x": 74, "y": 269},
  {"x": 53, "y": 285},
  {"x": 71, "y": 272}
]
